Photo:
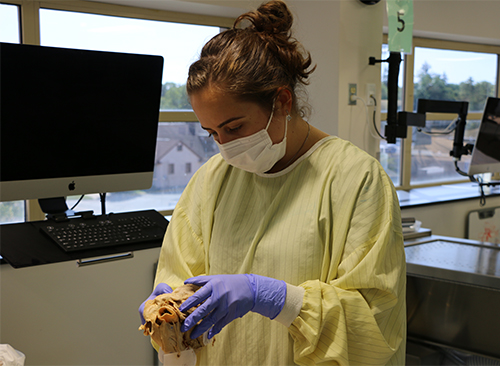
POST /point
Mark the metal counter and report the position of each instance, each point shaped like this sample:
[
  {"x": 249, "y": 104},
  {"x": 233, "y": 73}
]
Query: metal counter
[{"x": 453, "y": 293}]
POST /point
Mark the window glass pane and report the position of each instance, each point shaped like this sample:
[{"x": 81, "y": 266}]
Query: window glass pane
[
  {"x": 455, "y": 75},
  {"x": 179, "y": 44},
  {"x": 390, "y": 154},
  {"x": 448, "y": 75},
  {"x": 430, "y": 152},
  {"x": 390, "y": 159},
  {"x": 12, "y": 211},
  {"x": 180, "y": 145},
  {"x": 9, "y": 19},
  {"x": 9, "y": 32}
]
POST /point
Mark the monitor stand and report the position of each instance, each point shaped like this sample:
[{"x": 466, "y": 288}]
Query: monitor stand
[{"x": 55, "y": 208}]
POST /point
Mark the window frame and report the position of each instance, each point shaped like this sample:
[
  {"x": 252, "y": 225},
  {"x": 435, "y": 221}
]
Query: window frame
[
  {"x": 30, "y": 34},
  {"x": 408, "y": 99}
]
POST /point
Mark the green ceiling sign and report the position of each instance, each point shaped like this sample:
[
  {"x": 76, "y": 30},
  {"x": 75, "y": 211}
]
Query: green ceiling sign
[{"x": 400, "y": 18}]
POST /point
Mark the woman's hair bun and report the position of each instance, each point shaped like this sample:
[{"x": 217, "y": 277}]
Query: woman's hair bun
[
  {"x": 255, "y": 58},
  {"x": 272, "y": 17}
]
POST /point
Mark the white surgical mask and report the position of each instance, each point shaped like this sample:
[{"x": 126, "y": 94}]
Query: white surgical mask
[{"x": 255, "y": 153}]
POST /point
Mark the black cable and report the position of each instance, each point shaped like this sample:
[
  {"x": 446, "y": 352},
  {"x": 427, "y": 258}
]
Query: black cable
[
  {"x": 482, "y": 198},
  {"x": 77, "y": 202},
  {"x": 375, "y": 122},
  {"x": 463, "y": 173}
]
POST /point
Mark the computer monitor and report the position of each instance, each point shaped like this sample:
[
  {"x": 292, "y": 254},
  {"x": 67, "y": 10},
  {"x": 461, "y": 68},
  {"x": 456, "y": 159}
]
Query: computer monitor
[
  {"x": 75, "y": 122},
  {"x": 486, "y": 152}
]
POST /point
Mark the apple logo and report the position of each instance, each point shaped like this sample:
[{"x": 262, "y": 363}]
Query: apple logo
[{"x": 72, "y": 186}]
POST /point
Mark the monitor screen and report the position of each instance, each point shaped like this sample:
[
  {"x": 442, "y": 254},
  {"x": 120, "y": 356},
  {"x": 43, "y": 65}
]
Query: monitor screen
[
  {"x": 76, "y": 121},
  {"x": 486, "y": 152}
]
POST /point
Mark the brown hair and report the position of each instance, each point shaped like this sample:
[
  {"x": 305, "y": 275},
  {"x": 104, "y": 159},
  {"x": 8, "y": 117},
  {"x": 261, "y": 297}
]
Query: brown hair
[{"x": 254, "y": 62}]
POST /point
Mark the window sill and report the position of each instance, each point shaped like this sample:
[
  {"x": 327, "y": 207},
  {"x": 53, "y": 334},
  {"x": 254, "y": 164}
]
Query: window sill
[{"x": 443, "y": 194}]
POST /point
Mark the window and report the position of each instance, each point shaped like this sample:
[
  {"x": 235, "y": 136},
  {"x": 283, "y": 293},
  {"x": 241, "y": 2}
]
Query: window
[
  {"x": 9, "y": 32},
  {"x": 188, "y": 168},
  {"x": 180, "y": 45},
  {"x": 9, "y": 18},
  {"x": 178, "y": 37},
  {"x": 438, "y": 70},
  {"x": 447, "y": 75}
]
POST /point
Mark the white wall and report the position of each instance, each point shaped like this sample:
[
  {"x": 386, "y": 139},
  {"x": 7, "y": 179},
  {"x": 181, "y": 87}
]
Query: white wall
[
  {"x": 322, "y": 42},
  {"x": 341, "y": 36}
]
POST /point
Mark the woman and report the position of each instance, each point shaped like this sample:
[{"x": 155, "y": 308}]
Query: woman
[{"x": 287, "y": 223}]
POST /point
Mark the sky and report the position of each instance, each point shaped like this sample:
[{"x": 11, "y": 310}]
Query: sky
[
  {"x": 179, "y": 44},
  {"x": 458, "y": 65}
]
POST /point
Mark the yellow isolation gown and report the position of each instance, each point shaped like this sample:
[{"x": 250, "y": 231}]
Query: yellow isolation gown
[{"x": 328, "y": 225}]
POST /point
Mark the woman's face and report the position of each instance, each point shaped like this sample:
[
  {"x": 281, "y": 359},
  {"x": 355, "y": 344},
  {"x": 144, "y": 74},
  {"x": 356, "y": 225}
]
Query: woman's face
[{"x": 227, "y": 118}]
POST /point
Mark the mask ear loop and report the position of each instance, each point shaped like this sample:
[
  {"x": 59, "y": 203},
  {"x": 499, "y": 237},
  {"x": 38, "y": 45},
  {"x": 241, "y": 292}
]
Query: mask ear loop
[
  {"x": 271, "y": 116},
  {"x": 287, "y": 120}
]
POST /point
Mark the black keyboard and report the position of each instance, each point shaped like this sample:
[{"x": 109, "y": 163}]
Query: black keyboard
[{"x": 108, "y": 230}]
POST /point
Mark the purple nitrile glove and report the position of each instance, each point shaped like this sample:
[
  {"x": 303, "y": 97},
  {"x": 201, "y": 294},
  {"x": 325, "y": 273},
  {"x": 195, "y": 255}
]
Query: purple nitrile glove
[
  {"x": 224, "y": 298},
  {"x": 161, "y": 288}
]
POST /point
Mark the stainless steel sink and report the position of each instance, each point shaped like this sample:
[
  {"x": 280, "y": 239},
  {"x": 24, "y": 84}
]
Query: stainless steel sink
[{"x": 453, "y": 293}]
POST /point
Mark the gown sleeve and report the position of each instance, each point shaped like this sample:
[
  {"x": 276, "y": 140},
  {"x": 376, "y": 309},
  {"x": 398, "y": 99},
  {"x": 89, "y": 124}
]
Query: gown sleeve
[{"x": 356, "y": 313}]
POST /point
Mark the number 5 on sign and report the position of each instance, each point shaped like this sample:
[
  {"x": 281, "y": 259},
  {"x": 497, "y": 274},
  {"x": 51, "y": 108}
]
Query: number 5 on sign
[{"x": 400, "y": 18}]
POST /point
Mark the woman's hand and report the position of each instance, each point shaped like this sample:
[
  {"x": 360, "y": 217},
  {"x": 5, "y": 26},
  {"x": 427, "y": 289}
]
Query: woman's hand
[
  {"x": 161, "y": 288},
  {"x": 223, "y": 298}
]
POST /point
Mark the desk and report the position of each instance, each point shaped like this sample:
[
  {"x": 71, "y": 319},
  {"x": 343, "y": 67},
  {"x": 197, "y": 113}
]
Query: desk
[
  {"x": 442, "y": 194},
  {"x": 23, "y": 245},
  {"x": 59, "y": 314}
]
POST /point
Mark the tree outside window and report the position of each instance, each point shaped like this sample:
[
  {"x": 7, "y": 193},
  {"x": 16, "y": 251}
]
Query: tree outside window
[{"x": 448, "y": 75}]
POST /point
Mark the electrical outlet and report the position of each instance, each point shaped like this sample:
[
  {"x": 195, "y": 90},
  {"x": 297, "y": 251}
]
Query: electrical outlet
[
  {"x": 353, "y": 91},
  {"x": 370, "y": 90}
]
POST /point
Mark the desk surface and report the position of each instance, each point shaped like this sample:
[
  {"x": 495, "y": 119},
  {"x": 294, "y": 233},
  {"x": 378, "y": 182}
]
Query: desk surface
[
  {"x": 23, "y": 245},
  {"x": 445, "y": 193}
]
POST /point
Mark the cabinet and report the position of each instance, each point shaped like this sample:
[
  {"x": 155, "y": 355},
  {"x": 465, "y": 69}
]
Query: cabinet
[{"x": 62, "y": 314}]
